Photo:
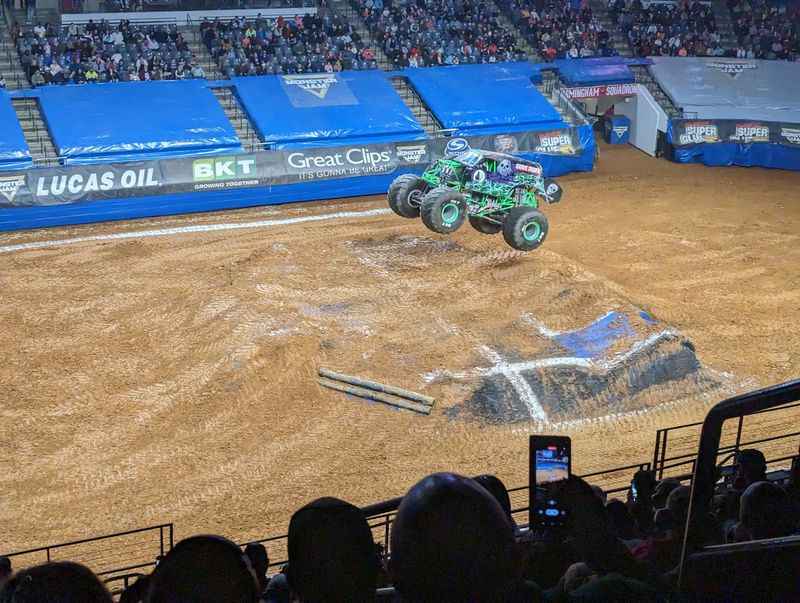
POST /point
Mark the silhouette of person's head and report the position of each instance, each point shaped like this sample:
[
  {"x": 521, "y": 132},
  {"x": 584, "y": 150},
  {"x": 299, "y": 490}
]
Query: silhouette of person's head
[
  {"x": 452, "y": 541},
  {"x": 204, "y": 569},
  {"x": 57, "y": 582},
  {"x": 332, "y": 556}
]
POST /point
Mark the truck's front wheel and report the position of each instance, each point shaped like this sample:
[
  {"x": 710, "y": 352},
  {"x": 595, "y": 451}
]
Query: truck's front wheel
[
  {"x": 525, "y": 228},
  {"x": 443, "y": 210},
  {"x": 405, "y": 195}
]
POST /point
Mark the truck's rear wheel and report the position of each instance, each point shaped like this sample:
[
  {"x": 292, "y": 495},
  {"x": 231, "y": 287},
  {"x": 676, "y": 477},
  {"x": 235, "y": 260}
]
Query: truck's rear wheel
[
  {"x": 525, "y": 228},
  {"x": 405, "y": 195},
  {"x": 484, "y": 226},
  {"x": 443, "y": 210}
]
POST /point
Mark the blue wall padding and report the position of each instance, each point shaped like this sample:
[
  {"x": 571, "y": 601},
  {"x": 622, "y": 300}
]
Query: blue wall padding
[
  {"x": 357, "y": 107},
  {"x": 558, "y": 165},
  {"x": 485, "y": 99},
  {"x": 593, "y": 340},
  {"x": 761, "y": 154},
  {"x": 19, "y": 218},
  {"x": 14, "y": 153},
  {"x": 130, "y": 121},
  {"x": 591, "y": 72}
]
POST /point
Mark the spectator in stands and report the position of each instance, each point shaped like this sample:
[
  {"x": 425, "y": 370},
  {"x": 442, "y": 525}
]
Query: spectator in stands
[
  {"x": 766, "y": 30},
  {"x": 496, "y": 488},
  {"x": 765, "y": 512},
  {"x": 2, "y": 82},
  {"x": 100, "y": 52},
  {"x": 429, "y": 33},
  {"x": 5, "y": 571},
  {"x": 56, "y": 582},
  {"x": 750, "y": 467},
  {"x": 685, "y": 28},
  {"x": 136, "y": 592},
  {"x": 204, "y": 569},
  {"x": 332, "y": 556},
  {"x": 560, "y": 29},
  {"x": 305, "y": 44},
  {"x": 662, "y": 491},
  {"x": 452, "y": 541},
  {"x": 259, "y": 561}
]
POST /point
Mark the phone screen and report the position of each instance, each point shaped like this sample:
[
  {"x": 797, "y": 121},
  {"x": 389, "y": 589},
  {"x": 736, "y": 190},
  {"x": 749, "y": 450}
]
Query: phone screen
[{"x": 550, "y": 462}]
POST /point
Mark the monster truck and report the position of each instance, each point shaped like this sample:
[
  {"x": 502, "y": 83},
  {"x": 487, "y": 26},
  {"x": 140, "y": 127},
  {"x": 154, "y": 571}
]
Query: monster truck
[{"x": 494, "y": 191}]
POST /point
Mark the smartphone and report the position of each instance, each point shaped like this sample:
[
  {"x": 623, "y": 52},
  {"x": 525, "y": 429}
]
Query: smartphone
[{"x": 550, "y": 461}]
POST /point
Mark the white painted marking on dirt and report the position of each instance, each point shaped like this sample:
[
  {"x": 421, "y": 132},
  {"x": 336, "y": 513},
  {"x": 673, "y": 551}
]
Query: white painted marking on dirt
[
  {"x": 178, "y": 230},
  {"x": 517, "y": 381},
  {"x": 546, "y": 332}
]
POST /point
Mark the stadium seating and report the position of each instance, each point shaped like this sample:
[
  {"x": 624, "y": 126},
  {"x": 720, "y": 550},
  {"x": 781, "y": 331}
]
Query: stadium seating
[
  {"x": 560, "y": 30},
  {"x": 101, "y": 52},
  {"x": 308, "y": 44},
  {"x": 429, "y": 33},
  {"x": 765, "y": 30},
  {"x": 679, "y": 29}
]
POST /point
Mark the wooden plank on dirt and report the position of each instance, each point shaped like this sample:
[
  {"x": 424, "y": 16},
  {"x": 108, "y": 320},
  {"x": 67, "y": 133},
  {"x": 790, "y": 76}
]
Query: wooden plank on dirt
[
  {"x": 369, "y": 394},
  {"x": 375, "y": 386}
]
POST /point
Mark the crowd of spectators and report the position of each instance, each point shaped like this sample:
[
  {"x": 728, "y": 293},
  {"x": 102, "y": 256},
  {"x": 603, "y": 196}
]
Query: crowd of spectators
[
  {"x": 765, "y": 30},
  {"x": 102, "y": 52},
  {"x": 303, "y": 44},
  {"x": 561, "y": 29},
  {"x": 454, "y": 539},
  {"x": 685, "y": 28},
  {"x": 423, "y": 33}
]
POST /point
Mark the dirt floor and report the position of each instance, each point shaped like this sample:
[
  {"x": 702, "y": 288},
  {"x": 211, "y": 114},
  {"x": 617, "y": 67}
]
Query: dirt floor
[{"x": 173, "y": 378}]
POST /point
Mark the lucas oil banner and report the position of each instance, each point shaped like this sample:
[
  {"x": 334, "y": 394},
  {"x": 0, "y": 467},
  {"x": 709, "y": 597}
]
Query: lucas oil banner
[
  {"x": 74, "y": 184},
  {"x": 686, "y": 132}
]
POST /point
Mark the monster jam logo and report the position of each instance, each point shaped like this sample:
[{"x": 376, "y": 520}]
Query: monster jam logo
[
  {"x": 791, "y": 134},
  {"x": 412, "y": 153},
  {"x": 751, "y": 132},
  {"x": 317, "y": 84},
  {"x": 620, "y": 130},
  {"x": 456, "y": 146},
  {"x": 733, "y": 69},
  {"x": 506, "y": 143},
  {"x": 10, "y": 185},
  {"x": 557, "y": 143},
  {"x": 699, "y": 132}
]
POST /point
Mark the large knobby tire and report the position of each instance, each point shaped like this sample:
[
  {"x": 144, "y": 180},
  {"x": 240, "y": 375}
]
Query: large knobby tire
[
  {"x": 394, "y": 187},
  {"x": 443, "y": 210},
  {"x": 407, "y": 196},
  {"x": 525, "y": 228},
  {"x": 485, "y": 226}
]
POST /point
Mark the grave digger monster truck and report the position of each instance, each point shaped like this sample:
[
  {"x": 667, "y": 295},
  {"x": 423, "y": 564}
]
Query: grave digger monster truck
[{"x": 494, "y": 191}]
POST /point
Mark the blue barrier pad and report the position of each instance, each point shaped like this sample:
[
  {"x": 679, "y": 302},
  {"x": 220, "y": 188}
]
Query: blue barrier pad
[
  {"x": 485, "y": 99},
  {"x": 327, "y": 109},
  {"x": 558, "y": 165},
  {"x": 590, "y": 72},
  {"x": 131, "y": 121},
  {"x": 14, "y": 153},
  {"x": 718, "y": 154}
]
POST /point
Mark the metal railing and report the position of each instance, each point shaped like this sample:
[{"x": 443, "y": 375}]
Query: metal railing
[
  {"x": 711, "y": 434},
  {"x": 107, "y": 555}
]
